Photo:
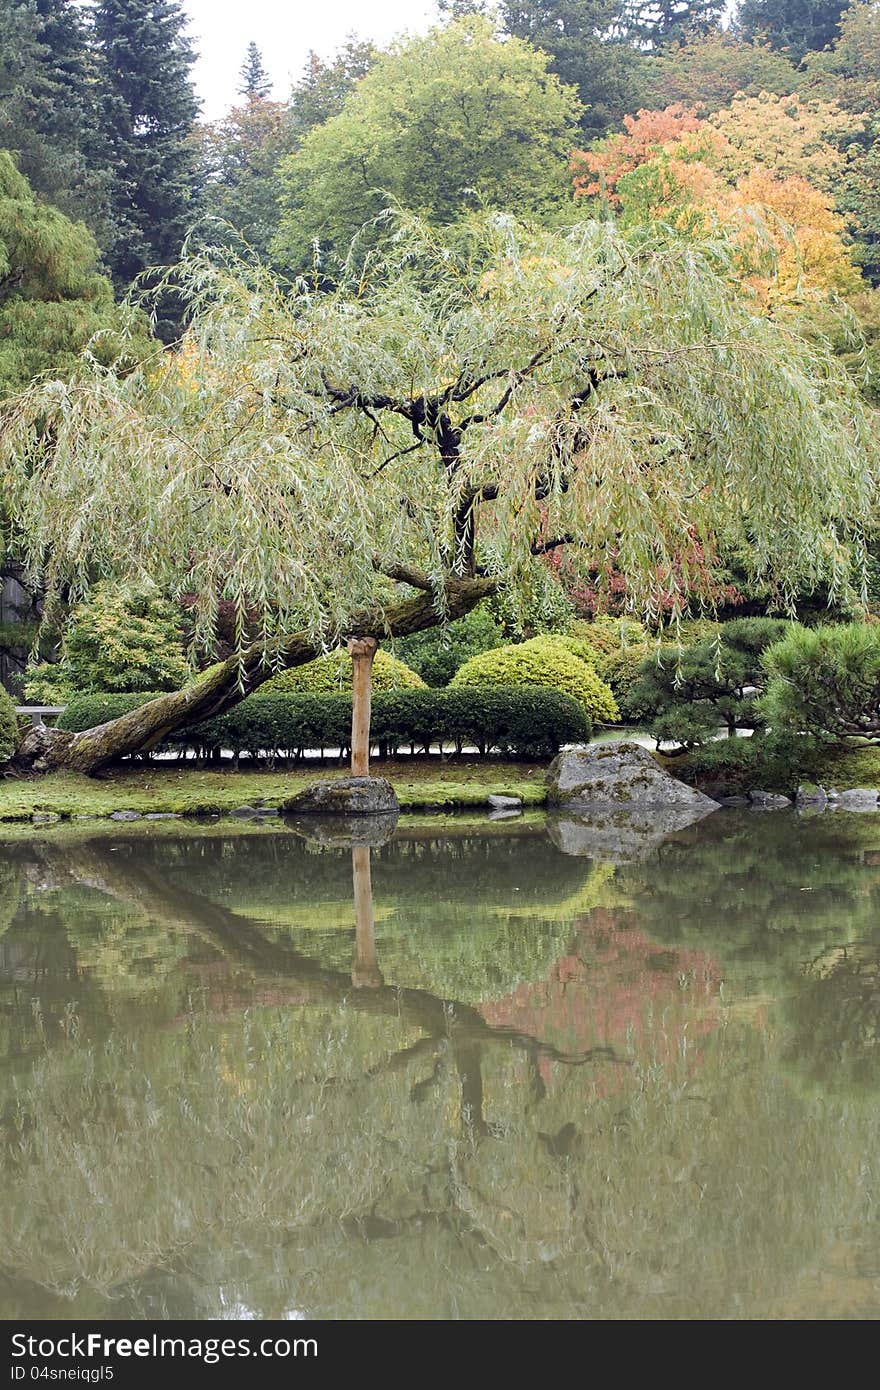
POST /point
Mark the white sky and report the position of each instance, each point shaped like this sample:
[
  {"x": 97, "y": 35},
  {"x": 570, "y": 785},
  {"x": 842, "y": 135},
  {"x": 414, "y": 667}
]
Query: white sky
[{"x": 285, "y": 31}]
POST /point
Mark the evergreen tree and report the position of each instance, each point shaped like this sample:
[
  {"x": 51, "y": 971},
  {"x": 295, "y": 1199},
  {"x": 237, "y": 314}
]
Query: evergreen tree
[
  {"x": 660, "y": 22},
  {"x": 147, "y": 111},
  {"x": 47, "y": 116},
  {"x": 798, "y": 26},
  {"x": 241, "y": 155},
  {"x": 254, "y": 82}
]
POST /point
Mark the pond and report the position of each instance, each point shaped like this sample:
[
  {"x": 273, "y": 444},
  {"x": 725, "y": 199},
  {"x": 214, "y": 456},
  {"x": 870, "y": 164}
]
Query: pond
[{"x": 462, "y": 1074}]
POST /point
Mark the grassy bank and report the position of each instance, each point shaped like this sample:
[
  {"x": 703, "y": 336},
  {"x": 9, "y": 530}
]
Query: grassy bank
[{"x": 419, "y": 783}]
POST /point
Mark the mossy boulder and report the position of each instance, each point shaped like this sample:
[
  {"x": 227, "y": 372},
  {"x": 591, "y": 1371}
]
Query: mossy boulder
[
  {"x": 618, "y": 776},
  {"x": 345, "y": 796}
]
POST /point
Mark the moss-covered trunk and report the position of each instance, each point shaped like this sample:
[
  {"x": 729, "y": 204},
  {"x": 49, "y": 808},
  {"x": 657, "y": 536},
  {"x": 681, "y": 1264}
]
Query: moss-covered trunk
[{"x": 47, "y": 750}]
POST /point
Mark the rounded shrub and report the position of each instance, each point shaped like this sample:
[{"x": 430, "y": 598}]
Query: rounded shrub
[
  {"x": 825, "y": 681},
  {"x": 331, "y": 674},
  {"x": 606, "y": 634},
  {"x": 620, "y": 670},
  {"x": 578, "y": 647},
  {"x": 542, "y": 661},
  {"x": 8, "y": 728}
]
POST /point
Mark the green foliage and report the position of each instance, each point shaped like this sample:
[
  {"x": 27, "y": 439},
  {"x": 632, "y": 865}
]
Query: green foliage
[
  {"x": 333, "y": 672},
  {"x": 8, "y": 727},
  {"x": 437, "y": 654},
  {"x": 512, "y": 722},
  {"x": 825, "y": 681},
  {"x": 320, "y": 92},
  {"x": 124, "y": 640},
  {"x": 47, "y": 683},
  {"x": 752, "y": 636},
  {"x": 661, "y": 22},
  {"x": 578, "y": 647},
  {"x": 770, "y": 760},
  {"x": 620, "y": 669},
  {"x": 439, "y": 124},
  {"x": 53, "y": 301},
  {"x": 239, "y": 158},
  {"x": 606, "y": 634},
  {"x": 689, "y": 692},
  {"x": 542, "y": 661},
  {"x": 253, "y": 79},
  {"x": 537, "y": 603},
  {"x": 575, "y": 34}
]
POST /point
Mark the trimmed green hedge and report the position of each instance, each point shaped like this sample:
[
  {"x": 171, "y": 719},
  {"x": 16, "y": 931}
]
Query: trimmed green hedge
[{"x": 530, "y": 723}]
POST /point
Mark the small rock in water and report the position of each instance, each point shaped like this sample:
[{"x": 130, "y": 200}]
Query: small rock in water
[
  {"x": 126, "y": 815},
  {"x": 245, "y": 813},
  {"x": 45, "y": 817},
  {"x": 162, "y": 815},
  {"x": 768, "y": 801},
  {"x": 507, "y": 813},
  {"x": 505, "y": 803},
  {"x": 732, "y": 800}
]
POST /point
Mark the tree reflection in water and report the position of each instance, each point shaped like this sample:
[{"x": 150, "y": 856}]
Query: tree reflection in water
[{"x": 601, "y": 1133}]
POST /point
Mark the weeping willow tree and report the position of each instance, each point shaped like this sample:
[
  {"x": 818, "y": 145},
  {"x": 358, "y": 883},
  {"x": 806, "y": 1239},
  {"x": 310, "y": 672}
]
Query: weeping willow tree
[{"x": 454, "y": 408}]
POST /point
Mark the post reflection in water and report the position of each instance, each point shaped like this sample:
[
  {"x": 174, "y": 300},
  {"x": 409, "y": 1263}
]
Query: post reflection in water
[
  {"x": 365, "y": 972},
  {"x": 525, "y": 1084}
]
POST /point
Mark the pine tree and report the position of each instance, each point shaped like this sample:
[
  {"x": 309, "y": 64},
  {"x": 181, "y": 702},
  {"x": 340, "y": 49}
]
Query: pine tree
[
  {"x": 47, "y": 116},
  {"x": 147, "y": 111},
  {"x": 661, "y": 22},
  {"x": 797, "y": 26},
  {"x": 254, "y": 80}
]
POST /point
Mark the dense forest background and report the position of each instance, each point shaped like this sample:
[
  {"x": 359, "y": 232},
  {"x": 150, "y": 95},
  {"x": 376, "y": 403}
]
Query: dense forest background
[{"x": 99, "y": 115}]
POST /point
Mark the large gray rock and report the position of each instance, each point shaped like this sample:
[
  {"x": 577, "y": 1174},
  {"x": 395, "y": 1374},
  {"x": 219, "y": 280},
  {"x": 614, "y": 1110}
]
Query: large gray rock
[
  {"x": 620, "y": 777},
  {"x": 345, "y": 796},
  {"x": 857, "y": 799}
]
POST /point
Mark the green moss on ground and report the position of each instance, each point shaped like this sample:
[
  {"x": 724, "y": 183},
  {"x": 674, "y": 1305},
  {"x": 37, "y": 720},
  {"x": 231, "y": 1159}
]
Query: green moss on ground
[
  {"x": 850, "y": 767},
  {"x": 419, "y": 783}
]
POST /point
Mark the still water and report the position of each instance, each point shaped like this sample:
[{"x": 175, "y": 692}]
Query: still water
[{"x": 464, "y": 1074}]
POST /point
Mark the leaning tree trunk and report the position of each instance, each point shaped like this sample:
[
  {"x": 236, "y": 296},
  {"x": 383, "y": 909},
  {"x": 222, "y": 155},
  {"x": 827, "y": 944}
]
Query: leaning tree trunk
[{"x": 46, "y": 750}]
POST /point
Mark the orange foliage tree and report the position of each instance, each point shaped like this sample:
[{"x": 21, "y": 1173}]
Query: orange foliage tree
[{"x": 764, "y": 165}]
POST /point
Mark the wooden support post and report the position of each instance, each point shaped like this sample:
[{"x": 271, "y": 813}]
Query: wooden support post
[
  {"x": 365, "y": 972},
  {"x": 361, "y": 650}
]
